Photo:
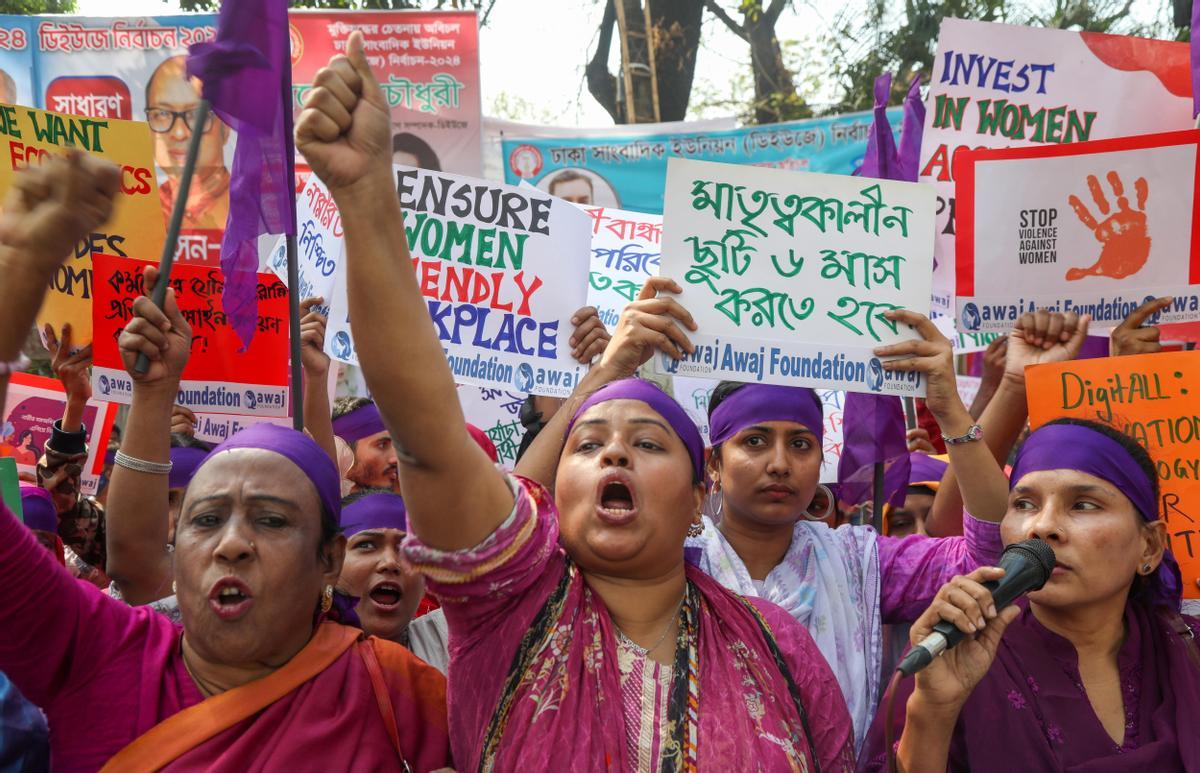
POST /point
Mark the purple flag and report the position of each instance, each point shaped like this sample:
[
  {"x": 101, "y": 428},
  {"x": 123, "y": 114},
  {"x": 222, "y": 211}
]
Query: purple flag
[
  {"x": 873, "y": 432},
  {"x": 247, "y": 76},
  {"x": 873, "y": 426},
  {"x": 1195, "y": 49}
]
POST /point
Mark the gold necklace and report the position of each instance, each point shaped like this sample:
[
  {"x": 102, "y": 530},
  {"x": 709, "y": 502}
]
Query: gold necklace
[
  {"x": 205, "y": 690},
  {"x": 639, "y": 649}
]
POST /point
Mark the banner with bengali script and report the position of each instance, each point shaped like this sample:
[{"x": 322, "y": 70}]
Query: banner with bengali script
[
  {"x": 218, "y": 377},
  {"x": 32, "y": 406},
  {"x": 28, "y": 137},
  {"x": 629, "y": 171},
  {"x": 1001, "y": 85},
  {"x": 133, "y": 68},
  {"x": 788, "y": 276},
  {"x": 498, "y": 413}
]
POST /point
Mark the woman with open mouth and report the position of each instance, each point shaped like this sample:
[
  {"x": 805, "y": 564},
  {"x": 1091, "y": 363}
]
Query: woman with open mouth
[{"x": 579, "y": 637}]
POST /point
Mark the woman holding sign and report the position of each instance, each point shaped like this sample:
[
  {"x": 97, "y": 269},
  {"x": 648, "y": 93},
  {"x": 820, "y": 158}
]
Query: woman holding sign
[
  {"x": 579, "y": 638},
  {"x": 1096, "y": 671}
]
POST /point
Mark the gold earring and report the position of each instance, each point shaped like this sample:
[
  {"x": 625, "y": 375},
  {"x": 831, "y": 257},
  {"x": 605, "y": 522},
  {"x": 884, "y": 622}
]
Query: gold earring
[
  {"x": 174, "y": 592},
  {"x": 327, "y": 599},
  {"x": 1146, "y": 568},
  {"x": 696, "y": 529}
]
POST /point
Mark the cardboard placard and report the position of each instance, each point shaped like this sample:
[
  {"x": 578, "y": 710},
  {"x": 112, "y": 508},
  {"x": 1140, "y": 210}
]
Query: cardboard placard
[
  {"x": 33, "y": 404},
  {"x": 1154, "y": 399},
  {"x": 218, "y": 378},
  {"x": 626, "y": 249},
  {"x": 1094, "y": 228},
  {"x": 788, "y": 274}
]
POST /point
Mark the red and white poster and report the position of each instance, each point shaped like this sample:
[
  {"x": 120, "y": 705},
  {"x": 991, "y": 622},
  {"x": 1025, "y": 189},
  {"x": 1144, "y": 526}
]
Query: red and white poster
[
  {"x": 1094, "y": 228},
  {"x": 999, "y": 85},
  {"x": 428, "y": 65},
  {"x": 32, "y": 406},
  {"x": 218, "y": 378}
]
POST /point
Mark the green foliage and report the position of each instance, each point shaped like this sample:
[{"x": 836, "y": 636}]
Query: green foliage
[{"x": 30, "y": 7}]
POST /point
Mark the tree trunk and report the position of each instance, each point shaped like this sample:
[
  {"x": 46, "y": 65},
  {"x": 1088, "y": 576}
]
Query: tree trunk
[
  {"x": 676, "y": 39},
  {"x": 775, "y": 95}
]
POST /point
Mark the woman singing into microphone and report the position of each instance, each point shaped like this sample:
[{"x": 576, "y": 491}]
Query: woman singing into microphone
[{"x": 1097, "y": 671}]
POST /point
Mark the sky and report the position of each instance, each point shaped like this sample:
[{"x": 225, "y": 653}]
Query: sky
[{"x": 533, "y": 54}]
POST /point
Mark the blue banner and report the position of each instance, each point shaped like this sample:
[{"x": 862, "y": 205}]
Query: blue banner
[{"x": 629, "y": 171}]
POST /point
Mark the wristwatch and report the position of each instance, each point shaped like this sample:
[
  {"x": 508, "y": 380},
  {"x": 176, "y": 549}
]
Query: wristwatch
[{"x": 973, "y": 434}]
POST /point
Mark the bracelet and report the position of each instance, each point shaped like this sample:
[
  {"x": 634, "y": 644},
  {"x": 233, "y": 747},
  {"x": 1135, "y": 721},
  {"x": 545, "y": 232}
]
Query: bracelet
[
  {"x": 973, "y": 434},
  {"x": 16, "y": 366},
  {"x": 141, "y": 465}
]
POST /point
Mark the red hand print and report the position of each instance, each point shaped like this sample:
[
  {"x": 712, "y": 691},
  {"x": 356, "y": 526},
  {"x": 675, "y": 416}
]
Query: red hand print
[{"x": 1123, "y": 233}]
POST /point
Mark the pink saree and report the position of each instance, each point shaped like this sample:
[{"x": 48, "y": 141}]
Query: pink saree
[{"x": 534, "y": 682}]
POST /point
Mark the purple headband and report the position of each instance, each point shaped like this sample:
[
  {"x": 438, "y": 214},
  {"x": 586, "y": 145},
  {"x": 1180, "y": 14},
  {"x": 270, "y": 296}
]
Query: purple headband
[
  {"x": 374, "y": 511},
  {"x": 362, "y": 422},
  {"x": 37, "y": 509},
  {"x": 184, "y": 462},
  {"x": 663, "y": 404},
  {"x": 297, "y": 448},
  {"x": 1074, "y": 447},
  {"x": 925, "y": 469},
  {"x": 756, "y": 403}
]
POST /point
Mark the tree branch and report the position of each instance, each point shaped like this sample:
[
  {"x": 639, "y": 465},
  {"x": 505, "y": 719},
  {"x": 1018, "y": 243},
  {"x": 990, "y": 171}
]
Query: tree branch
[
  {"x": 601, "y": 83},
  {"x": 771, "y": 15},
  {"x": 719, "y": 12}
]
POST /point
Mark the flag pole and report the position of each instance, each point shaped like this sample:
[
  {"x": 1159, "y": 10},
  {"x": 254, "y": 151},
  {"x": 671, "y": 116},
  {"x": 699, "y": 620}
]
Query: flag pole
[
  {"x": 171, "y": 245},
  {"x": 293, "y": 277},
  {"x": 877, "y": 502}
]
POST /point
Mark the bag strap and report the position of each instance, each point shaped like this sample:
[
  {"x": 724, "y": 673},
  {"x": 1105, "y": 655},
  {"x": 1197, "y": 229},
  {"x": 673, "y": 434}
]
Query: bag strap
[{"x": 366, "y": 650}]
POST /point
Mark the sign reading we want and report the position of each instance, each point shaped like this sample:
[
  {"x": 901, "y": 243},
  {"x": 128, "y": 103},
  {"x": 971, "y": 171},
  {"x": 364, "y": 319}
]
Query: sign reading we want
[{"x": 788, "y": 275}]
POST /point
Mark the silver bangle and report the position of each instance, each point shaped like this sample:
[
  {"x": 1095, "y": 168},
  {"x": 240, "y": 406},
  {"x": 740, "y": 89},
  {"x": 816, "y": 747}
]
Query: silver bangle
[
  {"x": 141, "y": 465},
  {"x": 16, "y": 366}
]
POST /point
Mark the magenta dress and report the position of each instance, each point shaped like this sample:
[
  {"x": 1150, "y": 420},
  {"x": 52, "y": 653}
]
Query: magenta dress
[
  {"x": 1031, "y": 713},
  {"x": 540, "y": 679},
  {"x": 105, "y": 673}
]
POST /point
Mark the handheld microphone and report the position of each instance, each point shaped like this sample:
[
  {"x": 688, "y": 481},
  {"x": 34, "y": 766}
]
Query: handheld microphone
[{"x": 1027, "y": 566}]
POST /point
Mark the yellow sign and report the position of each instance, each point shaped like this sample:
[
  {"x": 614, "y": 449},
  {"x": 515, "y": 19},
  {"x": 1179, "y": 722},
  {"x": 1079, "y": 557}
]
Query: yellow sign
[{"x": 136, "y": 229}]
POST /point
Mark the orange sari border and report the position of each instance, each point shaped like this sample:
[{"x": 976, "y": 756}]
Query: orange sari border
[{"x": 181, "y": 732}]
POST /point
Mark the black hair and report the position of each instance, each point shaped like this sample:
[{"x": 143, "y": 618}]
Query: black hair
[
  {"x": 180, "y": 440},
  {"x": 921, "y": 490},
  {"x": 571, "y": 176},
  {"x": 407, "y": 142},
  {"x": 367, "y": 491},
  {"x": 345, "y": 405}
]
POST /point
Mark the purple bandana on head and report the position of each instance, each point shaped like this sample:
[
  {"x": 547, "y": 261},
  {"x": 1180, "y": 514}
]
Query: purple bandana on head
[
  {"x": 297, "y": 448},
  {"x": 184, "y": 462},
  {"x": 362, "y": 422},
  {"x": 1074, "y": 447},
  {"x": 925, "y": 470},
  {"x": 757, "y": 403},
  {"x": 663, "y": 404},
  {"x": 38, "y": 510},
  {"x": 374, "y": 511}
]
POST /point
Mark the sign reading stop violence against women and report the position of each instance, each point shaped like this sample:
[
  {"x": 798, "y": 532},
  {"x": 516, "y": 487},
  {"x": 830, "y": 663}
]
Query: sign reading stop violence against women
[
  {"x": 218, "y": 378},
  {"x": 502, "y": 270},
  {"x": 32, "y": 406},
  {"x": 788, "y": 274},
  {"x": 1153, "y": 398},
  {"x": 1094, "y": 228},
  {"x": 136, "y": 227},
  {"x": 626, "y": 248},
  {"x": 1000, "y": 85}
]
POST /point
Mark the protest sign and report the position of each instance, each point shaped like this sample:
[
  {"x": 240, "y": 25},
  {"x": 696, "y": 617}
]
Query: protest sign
[
  {"x": 694, "y": 393},
  {"x": 498, "y": 413},
  {"x": 135, "y": 228},
  {"x": 10, "y": 486},
  {"x": 218, "y": 378},
  {"x": 219, "y": 427},
  {"x": 1094, "y": 228},
  {"x": 33, "y": 404},
  {"x": 628, "y": 170},
  {"x": 999, "y": 85},
  {"x": 502, "y": 270},
  {"x": 318, "y": 245},
  {"x": 1152, "y": 398},
  {"x": 427, "y": 63},
  {"x": 968, "y": 388},
  {"x": 788, "y": 275},
  {"x": 626, "y": 247}
]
